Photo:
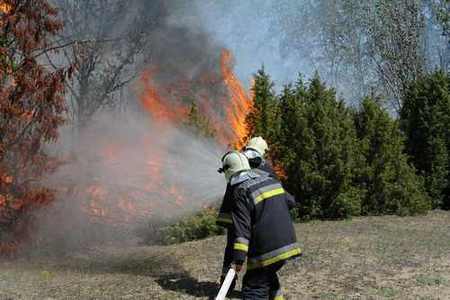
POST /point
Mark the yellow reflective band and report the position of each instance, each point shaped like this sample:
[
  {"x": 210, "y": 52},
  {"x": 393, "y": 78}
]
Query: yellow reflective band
[
  {"x": 242, "y": 247},
  {"x": 278, "y": 298},
  {"x": 224, "y": 220},
  {"x": 274, "y": 259},
  {"x": 269, "y": 194},
  {"x": 285, "y": 255}
]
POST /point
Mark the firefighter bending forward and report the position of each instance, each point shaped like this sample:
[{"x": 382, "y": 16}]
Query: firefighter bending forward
[{"x": 261, "y": 228}]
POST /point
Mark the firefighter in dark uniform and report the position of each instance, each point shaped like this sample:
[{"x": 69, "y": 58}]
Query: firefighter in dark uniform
[
  {"x": 261, "y": 227},
  {"x": 254, "y": 151}
]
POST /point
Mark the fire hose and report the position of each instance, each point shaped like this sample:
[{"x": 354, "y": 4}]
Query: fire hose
[{"x": 226, "y": 284}]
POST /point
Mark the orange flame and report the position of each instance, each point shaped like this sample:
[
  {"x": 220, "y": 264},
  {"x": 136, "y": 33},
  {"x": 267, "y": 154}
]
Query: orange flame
[
  {"x": 240, "y": 101},
  {"x": 158, "y": 107},
  {"x": 163, "y": 103},
  {"x": 236, "y": 103}
]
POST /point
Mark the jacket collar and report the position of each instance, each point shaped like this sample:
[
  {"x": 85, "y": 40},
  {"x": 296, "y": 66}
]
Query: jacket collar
[{"x": 243, "y": 176}]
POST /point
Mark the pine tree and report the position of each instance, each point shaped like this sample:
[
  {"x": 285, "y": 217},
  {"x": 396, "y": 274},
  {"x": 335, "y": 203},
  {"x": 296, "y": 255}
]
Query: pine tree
[
  {"x": 317, "y": 149},
  {"x": 425, "y": 119},
  {"x": 338, "y": 161},
  {"x": 262, "y": 117},
  {"x": 391, "y": 183}
]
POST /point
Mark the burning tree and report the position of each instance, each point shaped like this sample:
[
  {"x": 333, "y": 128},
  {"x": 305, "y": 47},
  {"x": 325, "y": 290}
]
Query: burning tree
[
  {"x": 31, "y": 109},
  {"x": 224, "y": 116}
]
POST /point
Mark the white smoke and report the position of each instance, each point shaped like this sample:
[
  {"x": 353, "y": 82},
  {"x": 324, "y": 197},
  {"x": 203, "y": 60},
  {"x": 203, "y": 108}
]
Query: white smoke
[{"x": 163, "y": 172}]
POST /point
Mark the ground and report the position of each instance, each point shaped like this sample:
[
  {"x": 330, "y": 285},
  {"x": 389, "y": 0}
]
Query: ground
[{"x": 363, "y": 258}]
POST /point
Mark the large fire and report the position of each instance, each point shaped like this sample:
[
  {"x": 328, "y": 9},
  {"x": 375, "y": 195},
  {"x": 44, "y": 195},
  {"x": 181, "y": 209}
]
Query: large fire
[
  {"x": 165, "y": 106},
  {"x": 219, "y": 96},
  {"x": 230, "y": 129},
  {"x": 239, "y": 101}
]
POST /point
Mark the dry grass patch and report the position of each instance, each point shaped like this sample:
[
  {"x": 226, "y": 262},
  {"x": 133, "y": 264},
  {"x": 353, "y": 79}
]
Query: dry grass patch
[{"x": 363, "y": 258}]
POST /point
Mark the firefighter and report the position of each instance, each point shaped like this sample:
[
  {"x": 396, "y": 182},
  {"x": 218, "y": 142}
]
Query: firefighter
[
  {"x": 262, "y": 230},
  {"x": 254, "y": 152}
]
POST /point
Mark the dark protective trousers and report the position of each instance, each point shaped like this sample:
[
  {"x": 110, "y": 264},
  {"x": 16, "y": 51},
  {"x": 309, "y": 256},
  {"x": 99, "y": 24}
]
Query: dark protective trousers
[{"x": 262, "y": 283}]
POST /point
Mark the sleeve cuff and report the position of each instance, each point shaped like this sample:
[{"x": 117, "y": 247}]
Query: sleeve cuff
[{"x": 240, "y": 248}]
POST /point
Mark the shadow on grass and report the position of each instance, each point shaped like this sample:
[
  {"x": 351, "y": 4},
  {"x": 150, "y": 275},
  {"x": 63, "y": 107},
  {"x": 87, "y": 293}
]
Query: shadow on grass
[
  {"x": 191, "y": 286},
  {"x": 160, "y": 267}
]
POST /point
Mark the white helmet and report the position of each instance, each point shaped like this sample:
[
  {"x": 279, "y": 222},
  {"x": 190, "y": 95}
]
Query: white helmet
[
  {"x": 232, "y": 163},
  {"x": 258, "y": 144}
]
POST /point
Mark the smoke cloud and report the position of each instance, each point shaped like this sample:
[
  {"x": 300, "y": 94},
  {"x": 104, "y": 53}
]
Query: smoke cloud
[
  {"x": 126, "y": 169},
  {"x": 123, "y": 173},
  {"x": 253, "y": 30}
]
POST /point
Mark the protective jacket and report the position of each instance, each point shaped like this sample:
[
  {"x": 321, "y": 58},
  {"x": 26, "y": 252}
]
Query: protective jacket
[
  {"x": 224, "y": 217},
  {"x": 263, "y": 167},
  {"x": 262, "y": 225}
]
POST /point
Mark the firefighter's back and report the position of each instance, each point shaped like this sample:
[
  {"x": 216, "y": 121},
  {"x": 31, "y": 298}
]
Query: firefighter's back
[{"x": 273, "y": 235}]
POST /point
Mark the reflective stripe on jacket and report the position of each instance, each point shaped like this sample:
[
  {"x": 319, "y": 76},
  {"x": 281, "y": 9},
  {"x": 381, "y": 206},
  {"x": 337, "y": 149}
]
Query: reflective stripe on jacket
[
  {"x": 224, "y": 217},
  {"x": 262, "y": 224}
]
